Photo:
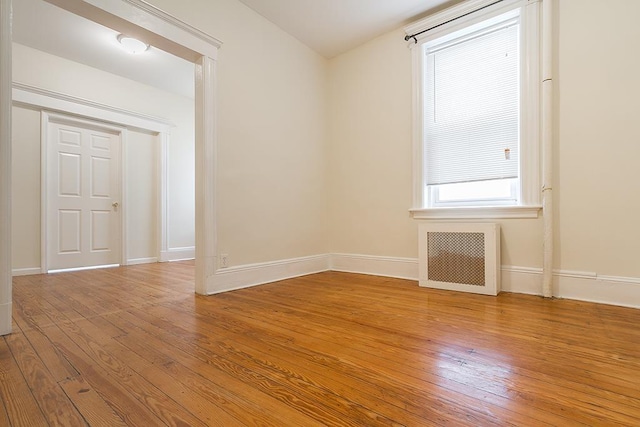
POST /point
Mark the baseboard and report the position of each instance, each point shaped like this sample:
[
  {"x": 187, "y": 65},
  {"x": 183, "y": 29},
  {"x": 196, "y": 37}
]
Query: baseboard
[
  {"x": 26, "y": 271},
  {"x": 576, "y": 285},
  {"x": 5, "y": 318},
  {"x": 614, "y": 290},
  {"x": 402, "y": 268},
  {"x": 137, "y": 261},
  {"x": 178, "y": 254},
  {"x": 521, "y": 280},
  {"x": 244, "y": 276}
]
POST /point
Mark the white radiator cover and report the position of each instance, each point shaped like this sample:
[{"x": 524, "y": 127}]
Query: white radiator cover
[{"x": 460, "y": 256}]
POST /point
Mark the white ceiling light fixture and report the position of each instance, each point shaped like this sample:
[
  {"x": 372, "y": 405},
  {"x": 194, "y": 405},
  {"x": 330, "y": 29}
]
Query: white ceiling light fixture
[{"x": 132, "y": 45}]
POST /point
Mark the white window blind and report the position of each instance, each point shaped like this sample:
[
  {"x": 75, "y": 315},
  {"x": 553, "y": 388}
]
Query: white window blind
[{"x": 471, "y": 106}]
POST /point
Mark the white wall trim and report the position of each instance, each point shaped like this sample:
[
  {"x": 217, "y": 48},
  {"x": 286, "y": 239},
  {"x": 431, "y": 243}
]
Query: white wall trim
[
  {"x": 620, "y": 279},
  {"x": 178, "y": 254},
  {"x": 136, "y": 261},
  {"x": 206, "y": 188},
  {"x": 140, "y": 19},
  {"x": 521, "y": 280},
  {"x": 44, "y": 231},
  {"x": 163, "y": 196},
  {"x": 244, "y": 276},
  {"x": 124, "y": 198},
  {"x": 5, "y": 167},
  {"x": 402, "y": 268},
  {"x": 5, "y": 318},
  {"x": 454, "y": 12},
  {"x": 26, "y": 271},
  {"x": 576, "y": 285},
  {"x": 56, "y": 101},
  {"x": 477, "y": 212},
  {"x": 620, "y": 291},
  {"x": 183, "y": 26}
]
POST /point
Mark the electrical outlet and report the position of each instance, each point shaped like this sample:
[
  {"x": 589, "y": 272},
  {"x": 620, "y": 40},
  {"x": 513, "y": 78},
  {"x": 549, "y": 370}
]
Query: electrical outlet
[{"x": 224, "y": 259}]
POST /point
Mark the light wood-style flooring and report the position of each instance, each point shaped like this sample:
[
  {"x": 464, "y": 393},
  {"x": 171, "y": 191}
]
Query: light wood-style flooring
[{"x": 135, "y": 346}]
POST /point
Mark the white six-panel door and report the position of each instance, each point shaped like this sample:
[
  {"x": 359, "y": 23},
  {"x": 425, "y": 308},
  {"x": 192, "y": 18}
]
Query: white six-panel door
[{"x": 83, "y": 194}]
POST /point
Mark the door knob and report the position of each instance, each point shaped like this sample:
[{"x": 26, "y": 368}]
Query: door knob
[{"x": 115, "y": 205}]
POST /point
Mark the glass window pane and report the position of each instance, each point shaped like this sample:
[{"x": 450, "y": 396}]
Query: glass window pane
[{"x": 501, "y": 189}]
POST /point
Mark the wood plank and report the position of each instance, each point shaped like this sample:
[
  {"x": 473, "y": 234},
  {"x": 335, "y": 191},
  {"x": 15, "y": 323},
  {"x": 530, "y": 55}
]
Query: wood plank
[
  {"x": 118, "y": 371},
  {"x": 21, "y": 406},
  {"x": 4, "y": 416},
  {"x": 53, "y": 402},
  {"x": 39, "y": 314},
  {"x": 132, "y": 408},
  {"x": 249, "y": 394},
  {"x": 55, "y": 362},
  {"x": 159, "y": 375},
  {"x": 471, "y": 336},
  {"x": 447, "y": 408},
  {"x": 133, "y": 346},
  {"x": 94, "y": 409},
  {"x": 558, "y": 402},
  {"x": 413, "y": 391}
]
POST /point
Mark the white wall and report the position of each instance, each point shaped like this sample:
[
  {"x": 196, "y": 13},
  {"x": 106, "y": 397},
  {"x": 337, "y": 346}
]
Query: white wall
[
  {"x": 596, "y": 187},
  {"x": 370, "y": 150},
  {"x": 56, "y": 74},
  {"x": 141, "y": 158},
  {"x": 25, "y": 186},
  {"x": 598, "y": 147},
  {"x": 272, "y": 199}
]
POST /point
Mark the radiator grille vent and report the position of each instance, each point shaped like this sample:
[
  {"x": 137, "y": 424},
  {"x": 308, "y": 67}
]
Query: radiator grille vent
[
  {"x": 460, "y": 256},
  {"x": 456, "y": 257}
]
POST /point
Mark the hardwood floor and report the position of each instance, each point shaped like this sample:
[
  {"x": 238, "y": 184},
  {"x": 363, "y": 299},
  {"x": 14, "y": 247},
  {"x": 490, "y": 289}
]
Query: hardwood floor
[{"x": 134, "y": 346}]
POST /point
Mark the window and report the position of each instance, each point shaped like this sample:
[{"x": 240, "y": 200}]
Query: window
[{"x": 476, "y": 111}]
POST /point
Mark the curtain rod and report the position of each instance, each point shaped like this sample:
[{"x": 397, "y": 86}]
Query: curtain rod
[{"x": 413, "y": 36}]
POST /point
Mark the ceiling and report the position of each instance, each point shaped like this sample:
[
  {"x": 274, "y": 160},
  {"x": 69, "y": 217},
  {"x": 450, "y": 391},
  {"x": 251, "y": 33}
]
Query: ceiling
[
  {"x": 48, "y": 28},
  {"x": 330, "y": 27}
]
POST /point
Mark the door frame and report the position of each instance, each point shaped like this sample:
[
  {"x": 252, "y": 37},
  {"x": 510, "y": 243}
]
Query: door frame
[
  {"x": 5, "y": 167},
  {"x": 57, "y": 103},
  {"x": 171, "y": 35},
  {"x": 47, "y": 118}
]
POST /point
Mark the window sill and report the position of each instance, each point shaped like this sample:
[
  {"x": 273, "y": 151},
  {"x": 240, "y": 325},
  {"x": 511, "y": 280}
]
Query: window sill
[{"x": 477, "y": 212}]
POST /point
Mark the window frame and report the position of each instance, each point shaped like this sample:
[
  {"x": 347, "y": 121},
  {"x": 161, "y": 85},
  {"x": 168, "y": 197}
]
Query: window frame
[{"x": 454, "y": 19}]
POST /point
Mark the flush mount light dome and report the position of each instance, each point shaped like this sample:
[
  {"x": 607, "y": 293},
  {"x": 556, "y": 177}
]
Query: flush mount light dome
[{"x": 132, "y": 45}]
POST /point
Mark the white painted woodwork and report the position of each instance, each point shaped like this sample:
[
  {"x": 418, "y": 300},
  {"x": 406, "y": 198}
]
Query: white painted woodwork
[
  {"x": 84, "y": 205},
  {"x": 244, "y": 276},
  {"x": 547, "y": 147},
  {"x": 35, "y": 96},
  {"x": 460, "y": 258},
  {"x": 5, "y": 167},
  {"x": 205, "y": 176},
  {"x": 140, "y": 19}
]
